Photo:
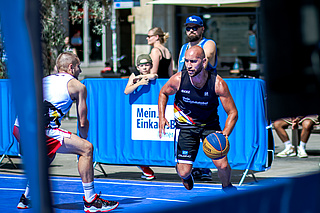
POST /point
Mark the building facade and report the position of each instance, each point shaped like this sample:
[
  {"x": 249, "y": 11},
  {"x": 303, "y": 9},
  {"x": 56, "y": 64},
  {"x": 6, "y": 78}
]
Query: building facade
[{"x": 235, "y": 30}]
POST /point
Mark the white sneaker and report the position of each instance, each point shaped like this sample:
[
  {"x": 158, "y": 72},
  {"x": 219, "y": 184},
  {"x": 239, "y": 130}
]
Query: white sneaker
[
  {"x": 302, "y": 152},
  {"x": 288, "y": 151}
]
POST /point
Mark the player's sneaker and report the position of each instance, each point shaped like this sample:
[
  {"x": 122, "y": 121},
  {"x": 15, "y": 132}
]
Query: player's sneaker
[
  {"x": 206, "y": 174},
  {"x": 99, "y": 205},
  {"x": 24, "y": 203},
  {"x": 288, "y": 151},
  {"x": 301, "y": 152},
  {"x": 148, "y": 173},
  {"x": 188, "y": 183},
  {"x": 196, "y": 173}
]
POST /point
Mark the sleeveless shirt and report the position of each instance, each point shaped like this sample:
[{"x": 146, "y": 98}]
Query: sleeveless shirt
[
  {"x": 56, "y": 98},
  {"x": 196, "y": 107},
  {"x": 163, "y": 69},
  {"x": 186, "y": 46}
]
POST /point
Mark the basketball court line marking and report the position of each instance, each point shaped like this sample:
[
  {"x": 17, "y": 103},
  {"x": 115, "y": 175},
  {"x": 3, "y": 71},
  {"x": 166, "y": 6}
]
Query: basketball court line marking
[
  {"x": 218, "y": 186},
  {"x": 106, "y": 195}
]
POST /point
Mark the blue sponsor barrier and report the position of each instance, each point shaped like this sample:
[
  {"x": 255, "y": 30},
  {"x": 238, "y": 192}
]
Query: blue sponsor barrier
[
  {"x": 8, "y": 144},
  {"x": 124, "y": 128}
]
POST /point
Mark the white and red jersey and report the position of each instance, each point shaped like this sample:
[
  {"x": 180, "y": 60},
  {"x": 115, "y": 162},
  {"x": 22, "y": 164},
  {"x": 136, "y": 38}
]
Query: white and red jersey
[{"x": 56, "y": 98}]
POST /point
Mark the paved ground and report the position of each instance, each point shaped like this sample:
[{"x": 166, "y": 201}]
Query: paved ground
[{"x": 66, "y": 165}]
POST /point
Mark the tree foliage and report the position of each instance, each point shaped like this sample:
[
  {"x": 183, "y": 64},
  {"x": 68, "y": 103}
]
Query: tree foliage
[
  {"x": 55, "y": 22},
  {"x": 55, "y": 16}
]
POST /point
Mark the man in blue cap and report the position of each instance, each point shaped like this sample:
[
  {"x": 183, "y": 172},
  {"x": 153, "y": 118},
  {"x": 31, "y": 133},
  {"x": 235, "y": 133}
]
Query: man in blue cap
[{"x": 194, "y": 32}]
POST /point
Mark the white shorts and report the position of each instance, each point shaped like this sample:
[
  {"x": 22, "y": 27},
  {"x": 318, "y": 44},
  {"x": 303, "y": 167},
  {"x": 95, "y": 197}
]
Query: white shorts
[{"x": 55, "y": 139}]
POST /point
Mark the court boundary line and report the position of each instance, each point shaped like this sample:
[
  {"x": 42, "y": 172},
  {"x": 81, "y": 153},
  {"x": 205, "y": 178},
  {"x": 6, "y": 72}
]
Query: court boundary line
[
  {"x": 166, "y": 185},
  {"x": 106, "y": 195}
]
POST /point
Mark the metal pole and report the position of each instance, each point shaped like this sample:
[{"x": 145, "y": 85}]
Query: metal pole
[
  {"x": 104, "y": 38},
  {"x": 114, "y": 38},
  {"x": 86, "y": 38}
]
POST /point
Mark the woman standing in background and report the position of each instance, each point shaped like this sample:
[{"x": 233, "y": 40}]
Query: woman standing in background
[{"x": 160, "y": 55}]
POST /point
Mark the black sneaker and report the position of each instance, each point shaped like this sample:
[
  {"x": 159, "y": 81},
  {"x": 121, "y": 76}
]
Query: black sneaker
[
  {"x": 188, "y": 183},
  {"x": 196, "y": 173},
  {"x": 99, "y": 205},
  {"x": 206, "y": 174},
  {"x": 24, "y": 203}
]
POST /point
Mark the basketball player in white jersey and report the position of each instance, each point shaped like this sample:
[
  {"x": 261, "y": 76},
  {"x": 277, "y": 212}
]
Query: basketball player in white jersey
[{"x": 59, "y": 92}]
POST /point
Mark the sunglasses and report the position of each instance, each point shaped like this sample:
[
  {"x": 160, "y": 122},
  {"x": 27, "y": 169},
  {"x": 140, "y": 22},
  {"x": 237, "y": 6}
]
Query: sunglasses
[
  {"x": 194, "y": 28},
  {"x": 149, "y": 36}
]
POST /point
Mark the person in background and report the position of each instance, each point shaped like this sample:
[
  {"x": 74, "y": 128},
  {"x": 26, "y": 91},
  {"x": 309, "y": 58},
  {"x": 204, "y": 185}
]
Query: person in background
[
  {"x": 143, "y": 76},
  {"x": 160, "y": 55},
  {"x": 76, "y": 39},
  {"x": 67, "y": 47},
  {"x": 307, "y": 123},
  {"x": 144, "y": 65},
  {"x": 194, "y": 32}
]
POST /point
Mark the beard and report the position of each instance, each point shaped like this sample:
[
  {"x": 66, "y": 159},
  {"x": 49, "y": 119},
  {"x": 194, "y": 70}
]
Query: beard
[
  {"x": 195, "y": 73},
  {"x": 193, "y": 37}
]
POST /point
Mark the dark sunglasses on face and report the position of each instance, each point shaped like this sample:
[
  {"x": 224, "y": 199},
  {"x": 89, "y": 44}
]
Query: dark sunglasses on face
[{"x": 194, "y": 28}]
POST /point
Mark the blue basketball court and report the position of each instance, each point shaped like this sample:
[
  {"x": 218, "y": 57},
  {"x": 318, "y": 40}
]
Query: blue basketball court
[{"x": 133, "y": 196}]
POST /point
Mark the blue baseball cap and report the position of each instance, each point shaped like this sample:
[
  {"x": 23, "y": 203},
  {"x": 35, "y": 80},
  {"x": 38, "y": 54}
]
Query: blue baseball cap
[{"x": 194, "y": 20}]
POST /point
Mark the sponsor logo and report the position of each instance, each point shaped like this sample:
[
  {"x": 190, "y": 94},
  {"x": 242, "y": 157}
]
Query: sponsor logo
[
  {"x": 185, "y": 152},
  {"x": 188, "y": 100},
  {"x": 185, "y": 91},
  {"x": 145, "y": 123},
  {"x": 184, "y": 156},
  {"x": 192, "y": 19},
  {"x": 207, "y": 149},
  {"x": 206, "y": 93}
]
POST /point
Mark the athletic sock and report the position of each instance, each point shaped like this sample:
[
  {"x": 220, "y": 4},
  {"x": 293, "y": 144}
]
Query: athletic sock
[
  {"x": 89, "y": 192},
  {"x": 287, "y": 144},
  {"x": 303, "y": 145},
  {"x": 27, "y": 191}
]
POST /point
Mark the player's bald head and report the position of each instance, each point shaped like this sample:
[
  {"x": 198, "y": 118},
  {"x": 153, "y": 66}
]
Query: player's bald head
[{"x": 196, "y": 51}]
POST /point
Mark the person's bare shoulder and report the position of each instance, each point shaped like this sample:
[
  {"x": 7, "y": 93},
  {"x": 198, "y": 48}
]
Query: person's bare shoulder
[
  {"x": 173, "y": 85},
  {"x": 75, "y": 87},
  {"x": 176, "y": 78},
  {"x": 209, "y": 44},
  {"x": 221, "y": 86}
]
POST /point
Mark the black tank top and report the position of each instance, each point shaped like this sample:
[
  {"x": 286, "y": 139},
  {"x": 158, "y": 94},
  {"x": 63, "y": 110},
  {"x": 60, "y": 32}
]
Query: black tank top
[
  {"x": 195, "y": 107},
  {"x": 163, "y": 69}
]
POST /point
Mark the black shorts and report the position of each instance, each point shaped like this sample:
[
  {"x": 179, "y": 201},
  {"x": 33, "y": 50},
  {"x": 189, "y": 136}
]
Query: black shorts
[{"x": 188, "y": 143}]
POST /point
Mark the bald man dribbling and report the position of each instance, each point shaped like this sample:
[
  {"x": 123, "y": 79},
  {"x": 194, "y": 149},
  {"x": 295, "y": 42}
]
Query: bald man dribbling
[{"x": 196, "y": 101}]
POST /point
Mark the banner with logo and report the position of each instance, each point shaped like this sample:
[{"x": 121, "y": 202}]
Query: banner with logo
[
  {"x": 124, "y": 128},
  {"x": 145, "y": 123}
]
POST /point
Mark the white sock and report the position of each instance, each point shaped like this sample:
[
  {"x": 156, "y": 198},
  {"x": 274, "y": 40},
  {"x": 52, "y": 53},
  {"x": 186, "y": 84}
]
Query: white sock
[
  {"x": 89, "y": 192},
  {"x": 303, "y": 145},
  {"x": 27, "y": 191},
  {"x": 287, "y": 144}
]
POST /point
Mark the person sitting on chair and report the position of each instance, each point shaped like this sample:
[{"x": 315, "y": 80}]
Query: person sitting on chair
[{"x": 307, "y": 123}]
